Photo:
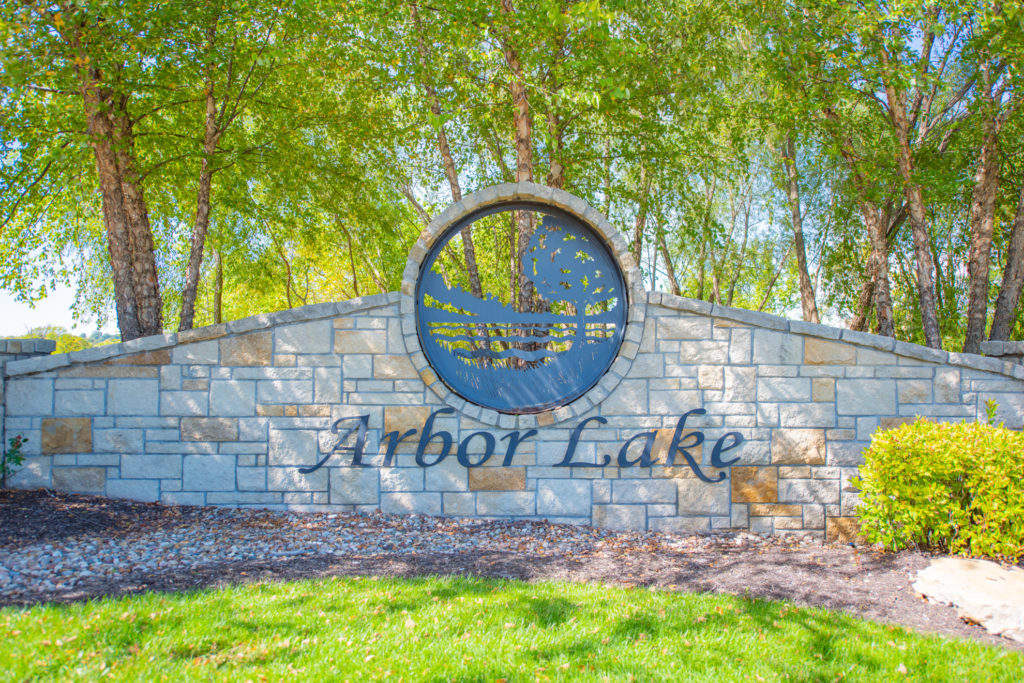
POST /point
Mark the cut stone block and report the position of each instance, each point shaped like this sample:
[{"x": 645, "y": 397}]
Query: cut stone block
[
  {"x": 620, "y": 517},
  {"x": 826, "y": 352},
  {"x": 570, "y": 497},
  {"x": 254, "y": 348},
  {"x": 209, "y": 429},
  {"x": 497, "y": 479},
  {"x": 80, "y": 479},
  {"x": 798, "y": 446},
  {"x": 355, "y": 486},
  {"x": 66, "y": 435},
  {"x": 208, "y": 473},
  {"x": 755, "y": 484}
]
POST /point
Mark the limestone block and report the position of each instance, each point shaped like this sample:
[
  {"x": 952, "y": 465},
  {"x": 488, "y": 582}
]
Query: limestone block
[
  {"x": 232, "y": 398},
  {"x": 404, "y": 418},
  {"x": 497, "y": 479},
  {"x": 201, "y": 353},
  {"x": 117, "y": 440},
  {"x": 828, "y": 352},
  {"x": 143, "y": 490},
  {"x": 673, "y": 402},
  {"x": 1011, "y": 407},
  {"x": 208, "y": 472},
  {"x": 253, "y": 348},
  {"x": 153, "y": 466},
  {"x": 78, "y": 402},
  {"x": 405, "y": 503},
  {"x": 361, "y": 341},
  {"x": 569, "y": 497},
  {"x": 866, "y": 396},
  {"x": 680, "y": 525},
  {"x": 755, "y": 484},
  {"x": 823, "y": 491},
  {"x": 777, "y": 348},
  {"x": 251, "y": 478},
  {"x": 774, "y": 510},
  {"x": 947, "y": 385},
  {"x": 823, "y": 389},
  {"x": 447, "y": 475},
  {"x": 841, "y": 529},
  {"x": 29, "y": 396},
  {"x": 683, "y": 327},
  {"x": 710, "y": 377},
  {"x": 393, "y": 367},
  {"x": 80, "y": 479},
  {"x": 644, "y": 491},
  {"x": 621, "y": 517},
  {"x": 66, "y": 435},
  {"x": 155, "y": 357},
  {"x": 293, "y": 447},
  {"x": 290, "y": 479},
  {"x": 798, "y": 446},
  {"x": 182, "y": 498},
  {"x": 209, "y": 429},
  {"x": 354, "y": 486},
  {"x": 740, "y": 346},
  {"x": 807, "y": 415},
  {"x": 357, "y": 366},
  {"x": 784, "y": 389},
  {"x": 846, "y": 453},
  {"x": 460, "y": 504},
  {"x": 704, "y": 352},
  {"x": 284, "y": 391},
  {"x": 740, "y": 384},
  {"x": 252, "y": 497},
  {"x": 402, "y": 479},
  {"x": 184, "y": 403},
  {"x": 506, "y": 503},
  {"x": 982, "y": 591},
  {"x": 33, "y": 473},
  {"x": 327, "y": 385},
  {"x": 699, "y": 497},
  {"x": 629, "y": 398},
  {"x": 311, "y": 337},
  {"x": 133, "y": 396}
]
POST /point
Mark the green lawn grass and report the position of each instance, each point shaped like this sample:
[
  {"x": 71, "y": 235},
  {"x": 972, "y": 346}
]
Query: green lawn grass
[{"x": 471, "y": 630}]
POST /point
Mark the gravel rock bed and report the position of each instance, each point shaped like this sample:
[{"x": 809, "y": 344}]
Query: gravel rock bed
[{"x": 63, "y": 548}]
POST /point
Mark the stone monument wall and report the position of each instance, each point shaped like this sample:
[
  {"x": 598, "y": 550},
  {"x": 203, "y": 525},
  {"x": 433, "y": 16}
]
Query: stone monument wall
[{"x": 230, "y": 415}]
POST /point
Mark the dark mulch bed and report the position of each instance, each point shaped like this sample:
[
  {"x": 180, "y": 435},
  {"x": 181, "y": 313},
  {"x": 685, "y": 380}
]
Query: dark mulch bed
[{"x": 860, "y": 580}]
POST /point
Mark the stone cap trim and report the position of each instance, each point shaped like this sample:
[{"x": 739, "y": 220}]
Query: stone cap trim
[
  {"x": 25, "y": 346},
  {"x": 874, "y": 341},
  {"x": 312, "y": 312},
  {"x": 541, "y": 194}
]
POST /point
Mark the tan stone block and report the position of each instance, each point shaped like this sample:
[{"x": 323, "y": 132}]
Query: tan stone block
[
  {"x": 359, "y": 341},
  {"x": 823, "y": 389},
  {"x": 203, "y": 333},
  {"x": 545, "y": 419},
  {"x": 209, "y": 429},
  {"x": 291, "y": 411},
  {"x": 497, "y": 479},
  {"x": 827, "y": 352},
  {"x": 315, "y": 411},
  {"x": 344, "y": 323},
  {"x": 788, "y": 523},
  {"x": 795, "y": 472},
  {"x": 404, "y": 418},
  {"x": 887, "y": 423},
  {"x": 252, "y": 348},
  {"x": 285, "y": 360},
  {"x": 798, "y": 447},
  {"x": 755, "y": 484},
  {"x": 158, "y": 357},
  {"x": 393, "y": 367},
  {"x": 775, "y": 510},
  {"x": 842, "y": 529},
  {"x": 66, "y": 435},
  {"x": 195, "y": 385},
  {"x": 710, "y": 377},
  {"x": 111, "y": 371},
  {"x": 428, "y": 376},
  {"x": 264, "y": 410}
]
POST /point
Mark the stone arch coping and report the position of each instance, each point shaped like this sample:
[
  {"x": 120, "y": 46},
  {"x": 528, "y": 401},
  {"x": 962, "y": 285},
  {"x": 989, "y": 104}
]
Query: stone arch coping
[
  {"x": 900, "y": 348},
  {"x": 163, "y": 341},
  {"x": 530, "y": 192}
]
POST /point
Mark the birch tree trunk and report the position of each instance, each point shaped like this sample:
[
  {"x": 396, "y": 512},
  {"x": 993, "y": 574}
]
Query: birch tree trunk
[
  {"x": 1005, "y": 314},
  {"x": 807, "y": 303},
  {"x": 983, "y": 216}
]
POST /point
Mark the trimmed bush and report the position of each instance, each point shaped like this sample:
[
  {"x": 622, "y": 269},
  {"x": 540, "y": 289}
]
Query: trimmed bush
[{"x": 954, "y": 487}]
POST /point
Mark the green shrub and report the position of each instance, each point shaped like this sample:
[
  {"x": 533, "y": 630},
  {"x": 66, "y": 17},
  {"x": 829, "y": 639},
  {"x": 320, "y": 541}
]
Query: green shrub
[{"x": 955, "y": 487}]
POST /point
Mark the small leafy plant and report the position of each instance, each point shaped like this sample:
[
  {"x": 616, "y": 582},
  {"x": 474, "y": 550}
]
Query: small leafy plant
[
  {"x": 12, "y": 458},
  {"x": 954, "y": 487}
]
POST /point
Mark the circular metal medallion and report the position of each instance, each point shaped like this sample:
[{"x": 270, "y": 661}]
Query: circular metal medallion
[{"x": 520, "y": 307}]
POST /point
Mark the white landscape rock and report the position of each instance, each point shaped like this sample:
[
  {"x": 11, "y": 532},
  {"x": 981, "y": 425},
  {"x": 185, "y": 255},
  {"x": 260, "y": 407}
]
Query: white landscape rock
[{"x": 982, "y": 592}]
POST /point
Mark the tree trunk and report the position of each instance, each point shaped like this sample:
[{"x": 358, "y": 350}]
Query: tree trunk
[
  {"x": 640, "y": 224},
  {"x": 211, "y": 135},
  {"x": 925, "y": 266},
  {"x": 807, "y": 302},
  {"x": 878, "y": 264},
  {"x": 115, "y": 219},
  {"x": 859, "y": 322},
  {"x": 1013, "y": 278},
  {"x": 556, "y": 174},
  {"x": 147, "y": 282},
  {"x": 450, "y": 172},
  {"x": 983, "y": 216},
  {"x": 218, "y": 287},
  {"x": 670, "y": 269}
]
